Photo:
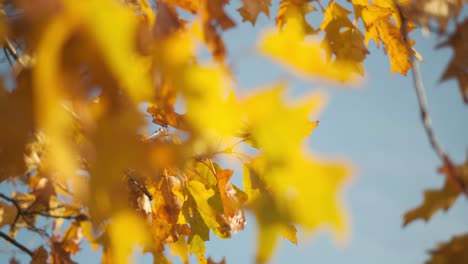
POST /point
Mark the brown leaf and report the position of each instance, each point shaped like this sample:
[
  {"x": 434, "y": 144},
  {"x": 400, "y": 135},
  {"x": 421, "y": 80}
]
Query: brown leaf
[
  {"x": 215, "y": 19},
  {"x": 58, "y": 253},
  {"x": 192, "y": 6},
  {"x": 167, "y": 20},
  {"x": 424, "y": 11},
  {"x": 458, "y": 65},
  {"x": 44, "y": 192},
  {"x": 40, "y": 256},
  {"x": 252, "y": 8},
  {"x": 16, "y": 113},
  {"x": 213, "y": 12},
  {"x": 211, "y": 261},
  {"x": 434, "y": 200},
  {"x": 454, "y": 251}
]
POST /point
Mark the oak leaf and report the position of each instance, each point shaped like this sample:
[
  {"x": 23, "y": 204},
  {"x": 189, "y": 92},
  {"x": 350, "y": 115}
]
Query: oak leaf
[
  {"x": 380, "y": 27},
  {"x": 252, "y": 8},
  {"x": 456, "y": 179},
  {"x": 342, "y": 38}
]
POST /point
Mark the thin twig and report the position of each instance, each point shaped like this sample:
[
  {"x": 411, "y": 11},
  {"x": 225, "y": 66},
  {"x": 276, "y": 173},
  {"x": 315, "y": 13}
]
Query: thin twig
[
  {"x": 80, "y": 217},
  {"x": 11, "y": 49},
  {"x": 426, "y": 118},
  {"x": 22, "y": 213},
  {"x": 17, "y": 244},
  {"x": 139, "y": 186},
  {"x": 321, "y": 6},
  {"x": 7, "y": 57}
]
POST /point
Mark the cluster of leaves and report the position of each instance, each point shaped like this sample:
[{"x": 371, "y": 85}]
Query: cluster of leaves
[{"x": 76, "y": 142}]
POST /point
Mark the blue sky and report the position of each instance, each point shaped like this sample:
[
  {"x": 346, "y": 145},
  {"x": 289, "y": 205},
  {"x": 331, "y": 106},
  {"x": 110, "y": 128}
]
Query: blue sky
[{"x": 377, "y": 127}]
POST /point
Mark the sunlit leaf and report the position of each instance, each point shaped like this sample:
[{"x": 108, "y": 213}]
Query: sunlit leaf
[
  {"x": 306, "y": 56},
  {"x": 126, "y": 231}
]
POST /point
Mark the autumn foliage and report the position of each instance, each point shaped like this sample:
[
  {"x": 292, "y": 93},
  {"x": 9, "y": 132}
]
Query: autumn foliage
[{"x": 83, "y": 76}]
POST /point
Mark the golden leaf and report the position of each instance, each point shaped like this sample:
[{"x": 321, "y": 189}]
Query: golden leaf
[
  {"x": 126, "y": 231},
  {"x": 289, "y": 47}
]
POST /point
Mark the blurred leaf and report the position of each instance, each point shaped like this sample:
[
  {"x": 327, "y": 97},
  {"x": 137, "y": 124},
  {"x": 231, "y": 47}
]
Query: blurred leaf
[
  {"x": 458, "y": 65},
  {"x": 40, "y": 256},
  {"x": 126, "y": 231},
  {"x": 305, "y": 56},
  {"x": 7, "y": 214},
  {"x": 424, "y": 12},
  {"x": 434, "y": 200},
  {"x": 452, "y": 252},
  {"x": 295, "y": 9}
]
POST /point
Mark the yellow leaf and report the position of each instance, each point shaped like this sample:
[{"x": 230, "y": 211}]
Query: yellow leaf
[
  {"x": 289, "y": 9},
  {"x": 390, "y": 4},
  {"x": 307, "y": 185},
  {"x": 398, "y": 50},
  {"x": 87, "y": 231},
  {"x": 181, "y": 249},
  {"x": 285, "y": 185},
  {"x": 380, "y": 27},
  {"x": 197, "y": 247},
  {"x": 276, "y": 128},
  {"x": 211, "y": 106},
  {"x": 304, "y": 56},
  {"x": 127, "y": 230},
  {"x": 50, "y": 114},
  {"x": 346, "y": 44},
  {"x": 113, "y": 28},
  {"x": 201, "y": 196}
]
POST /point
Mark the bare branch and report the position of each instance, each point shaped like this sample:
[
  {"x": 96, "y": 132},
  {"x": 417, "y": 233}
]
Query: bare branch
[
  {"x": 16, "y": 243},
  {"x": 426, "y": 118}
]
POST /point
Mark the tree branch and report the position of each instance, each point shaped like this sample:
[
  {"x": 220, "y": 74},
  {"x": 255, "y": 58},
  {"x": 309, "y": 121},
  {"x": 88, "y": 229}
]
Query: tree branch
[
  {"x": 426, "y": 118},
  {"x": 11, "y": 49},
  {"x": 16, "y": 243}
]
